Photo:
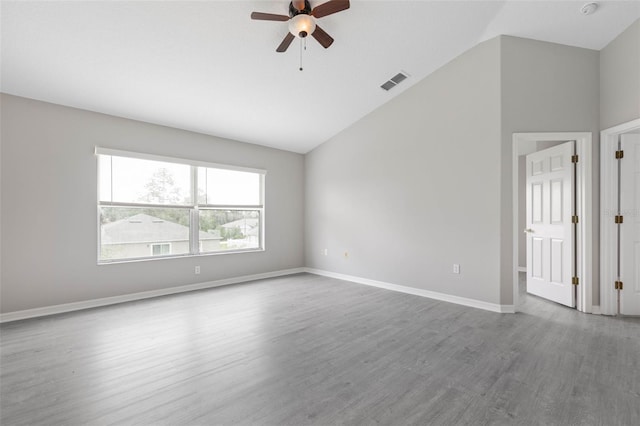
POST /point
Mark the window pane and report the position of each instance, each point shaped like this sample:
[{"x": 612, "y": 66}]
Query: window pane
[
  {"x": 132, "y": 180},
  {"x": 228, "y": 187},
  {"x": 127, "y": 233},
  {"x": 104, "y": 177},
  {"x": 223, "y": 230}
]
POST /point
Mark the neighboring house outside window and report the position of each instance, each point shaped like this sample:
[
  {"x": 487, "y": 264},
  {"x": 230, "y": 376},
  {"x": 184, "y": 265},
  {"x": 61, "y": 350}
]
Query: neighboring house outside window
[{"x": 147, "y": 207}]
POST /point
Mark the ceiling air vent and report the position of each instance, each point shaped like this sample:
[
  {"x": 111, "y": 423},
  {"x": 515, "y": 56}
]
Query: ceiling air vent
[{"x": 395, "y": 80}]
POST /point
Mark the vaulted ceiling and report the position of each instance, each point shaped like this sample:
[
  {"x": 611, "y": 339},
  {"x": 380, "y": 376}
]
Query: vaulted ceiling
[{"x": 206, "y": 66}]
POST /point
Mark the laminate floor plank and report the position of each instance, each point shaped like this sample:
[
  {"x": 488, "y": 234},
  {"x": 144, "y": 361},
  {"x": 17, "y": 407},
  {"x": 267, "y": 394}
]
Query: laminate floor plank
[{"x": 310, "y": 350}]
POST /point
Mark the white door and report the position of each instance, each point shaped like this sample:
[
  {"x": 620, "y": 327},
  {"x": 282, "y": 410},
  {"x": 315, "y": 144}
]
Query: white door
[
  {"x": 630, "y": 227},
  {"x": 550, "y": 246}
]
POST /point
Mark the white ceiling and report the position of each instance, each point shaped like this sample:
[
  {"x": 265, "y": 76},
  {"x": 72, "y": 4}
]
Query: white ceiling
[{"x": 205, "y": 66}]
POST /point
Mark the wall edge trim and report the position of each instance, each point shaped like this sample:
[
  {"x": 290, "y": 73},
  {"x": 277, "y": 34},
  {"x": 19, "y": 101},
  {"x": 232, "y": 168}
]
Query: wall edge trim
[
  {"x": 113, "y": 300},
  {"x": 458, "y": 300}
]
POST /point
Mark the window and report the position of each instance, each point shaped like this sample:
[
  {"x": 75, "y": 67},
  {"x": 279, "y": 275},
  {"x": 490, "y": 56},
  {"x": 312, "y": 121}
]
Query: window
[
  {"x": 160, "y": 249},
  {"x": 150, "y": 206}
]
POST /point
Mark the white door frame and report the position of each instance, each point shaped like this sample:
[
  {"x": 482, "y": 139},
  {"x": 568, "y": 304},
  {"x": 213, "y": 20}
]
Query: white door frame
[
  {"x": 525, "y": 143},
  {"x": 608, "y": 209}
]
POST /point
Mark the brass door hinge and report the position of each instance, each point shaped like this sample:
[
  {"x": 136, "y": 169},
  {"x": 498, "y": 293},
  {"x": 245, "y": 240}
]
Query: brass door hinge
[
  {"x": 618, "y": 285},
  {"x": 574, "y": 158},
  {"x": 575, "y": 280},
  {"x": 574, "y": 219},
  {"x": 619, "y": 155},
  {"x": 619, "y": 219}
]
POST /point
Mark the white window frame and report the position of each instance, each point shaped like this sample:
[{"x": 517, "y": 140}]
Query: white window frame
[{"x": 195, "y": 245}]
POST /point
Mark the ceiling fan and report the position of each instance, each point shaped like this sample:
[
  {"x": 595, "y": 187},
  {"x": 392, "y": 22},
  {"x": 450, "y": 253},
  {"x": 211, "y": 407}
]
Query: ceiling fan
[{"x": 302, "y": 20}]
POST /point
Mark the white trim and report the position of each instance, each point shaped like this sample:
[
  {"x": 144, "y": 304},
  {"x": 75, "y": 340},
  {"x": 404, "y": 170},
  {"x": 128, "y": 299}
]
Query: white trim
[
  {"x": 608, "y": 207},
  {"x": 144, "y": 156},
  {"x": 522, "y": 144},
  {"x": 94, "y": 303},
  {"x": 473, "y": 303}
]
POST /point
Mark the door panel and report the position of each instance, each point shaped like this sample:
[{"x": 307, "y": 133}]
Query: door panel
[
  {"x": 537, "y": 167},
  {"x": 556, "y": 201},
  {"x": 536, "y": 257},
  {"x": 550, "y": 248},
  {"x": 556, "y": 163},
  {"x": 536, "y": 202},
  {"x": 557, "y": 250},
  {"x": 630, "y": 228}
]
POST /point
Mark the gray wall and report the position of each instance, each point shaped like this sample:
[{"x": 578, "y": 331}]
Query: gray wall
[
  {"x": 414, "y": 187},
  {"x": 425, "y": 181},
  {"x": 49, "y": 222},
  {"x": 546, "y": 87},
  {"x": 620, "y": 78}
]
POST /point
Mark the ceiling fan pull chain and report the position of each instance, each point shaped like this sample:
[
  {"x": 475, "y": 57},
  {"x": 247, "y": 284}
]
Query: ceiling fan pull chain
[{"x": 301, "y": 41}]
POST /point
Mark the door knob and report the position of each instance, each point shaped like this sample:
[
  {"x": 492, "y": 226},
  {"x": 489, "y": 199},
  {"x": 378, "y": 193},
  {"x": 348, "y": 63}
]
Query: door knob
[{"x": 528, "y": 231}]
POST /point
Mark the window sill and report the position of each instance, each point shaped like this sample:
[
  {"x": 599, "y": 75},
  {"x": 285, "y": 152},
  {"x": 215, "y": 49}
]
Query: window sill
[{"x": 181, "y": 256}]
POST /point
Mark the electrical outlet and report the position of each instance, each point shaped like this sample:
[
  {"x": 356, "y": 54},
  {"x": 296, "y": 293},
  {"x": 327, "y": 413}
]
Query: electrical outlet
[
  {"x": 456, "y": 268},
  {"x": 197, "y": 270},
  {"x": 325, "y": 252}
]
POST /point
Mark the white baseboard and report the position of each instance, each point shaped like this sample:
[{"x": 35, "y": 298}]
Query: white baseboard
[
  {"x": 473, "y": 303},
  {"x": 94, "y": 303},
  {"x": 595, "y": 310}
]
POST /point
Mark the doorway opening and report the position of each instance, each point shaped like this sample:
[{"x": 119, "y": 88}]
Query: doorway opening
[
  {"x": 612, "y": 248},
  {"x": 527, "y": 143}
]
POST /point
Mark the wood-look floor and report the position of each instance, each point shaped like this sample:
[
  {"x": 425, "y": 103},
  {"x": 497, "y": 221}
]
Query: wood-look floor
[{"x": 311, "y": 350}]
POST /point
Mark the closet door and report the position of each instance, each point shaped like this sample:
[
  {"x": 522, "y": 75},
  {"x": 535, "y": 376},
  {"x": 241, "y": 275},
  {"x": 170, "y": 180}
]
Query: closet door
[
  {"x": 550, "y": 239},
  {"x": 630, "y": 228}
]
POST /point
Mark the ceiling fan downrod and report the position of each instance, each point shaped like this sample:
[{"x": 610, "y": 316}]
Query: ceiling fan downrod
[{"x": 297, "y": 7}]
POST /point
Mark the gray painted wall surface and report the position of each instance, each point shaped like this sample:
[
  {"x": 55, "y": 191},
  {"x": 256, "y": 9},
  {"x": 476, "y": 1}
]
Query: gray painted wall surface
[
  {"x": 546, "y": 87},
  {"x": 620, "y": 79},
  {"x": 49, "y": 234},
  {"x": 385, "y": 190},
  {"x": 414, "y": 187}
]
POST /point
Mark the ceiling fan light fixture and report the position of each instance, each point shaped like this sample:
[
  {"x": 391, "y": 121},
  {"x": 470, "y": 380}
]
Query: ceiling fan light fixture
[{"x": 302, "y": 25}]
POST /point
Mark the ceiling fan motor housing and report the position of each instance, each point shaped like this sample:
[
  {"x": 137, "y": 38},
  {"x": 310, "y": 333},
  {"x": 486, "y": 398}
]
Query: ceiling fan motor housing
[{"x": 293, "y": 11}]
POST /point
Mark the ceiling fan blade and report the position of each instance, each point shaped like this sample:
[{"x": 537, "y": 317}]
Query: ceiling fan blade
[
  {"x": 285, "y": 43},
  {"x": 323, "y": 38},
  {"x": 260, "y": 16},
  {"x": 330, "y": 7}
]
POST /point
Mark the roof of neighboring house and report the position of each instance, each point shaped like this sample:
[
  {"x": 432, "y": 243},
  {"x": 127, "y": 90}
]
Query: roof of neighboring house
[
  {"x": 143, "y": 228},
  {"x": 248, "y": 226},
  {"x": 242, "y": 223}
]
